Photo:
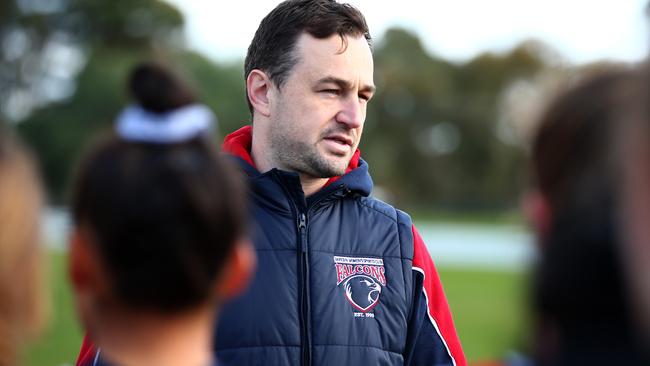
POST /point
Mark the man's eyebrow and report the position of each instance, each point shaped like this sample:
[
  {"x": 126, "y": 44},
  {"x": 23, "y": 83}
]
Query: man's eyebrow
[{"x": 344, "y": 84}]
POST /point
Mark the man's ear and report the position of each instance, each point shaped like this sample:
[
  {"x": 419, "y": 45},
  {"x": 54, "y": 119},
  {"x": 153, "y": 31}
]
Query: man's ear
[
  {"x": 537, "y": 210},
  {"x": 258, "y": 87},
  {"x": 238, "y": 270}
]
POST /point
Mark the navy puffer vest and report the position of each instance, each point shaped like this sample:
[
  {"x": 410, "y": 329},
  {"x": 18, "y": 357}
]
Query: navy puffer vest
[{"x": 334, "y": 282}]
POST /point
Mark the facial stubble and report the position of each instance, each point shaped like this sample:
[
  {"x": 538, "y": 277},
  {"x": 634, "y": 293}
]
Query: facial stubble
[{"x": 303, "y": 157}]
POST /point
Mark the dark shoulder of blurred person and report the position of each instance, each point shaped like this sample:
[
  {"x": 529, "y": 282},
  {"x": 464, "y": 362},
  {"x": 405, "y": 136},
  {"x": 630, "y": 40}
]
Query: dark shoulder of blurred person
[
  {"x": 22, "y": 294},
  {"x": 634, "y": 143},
  {"x": 580, "y": 295}
]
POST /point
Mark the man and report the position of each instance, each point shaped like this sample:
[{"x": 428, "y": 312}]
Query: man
[{"x": 343, "y": 278}]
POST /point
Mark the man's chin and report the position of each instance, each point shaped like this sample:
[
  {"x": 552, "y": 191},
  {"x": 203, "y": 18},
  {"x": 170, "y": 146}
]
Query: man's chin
[
  {"x": 329, "y": 169},
  {"x": 338, "y": 168},
  {"x": 325, "y": 164},
  {"x": 338, "y": 160}
]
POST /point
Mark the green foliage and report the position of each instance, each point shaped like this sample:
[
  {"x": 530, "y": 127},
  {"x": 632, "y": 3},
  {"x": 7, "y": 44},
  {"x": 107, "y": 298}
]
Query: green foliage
[
  {"x": 221, "y": 86},
  {"x": 422, "y": 97},
  {"x": 123, "y": 23},
  {"x": 113, "y": 36},
  {"x": 59, "y": 132},
  {"x": 106, "y": 37},
  {"x": 43, "y": 43},
  {"x": 127, "y": 23}
]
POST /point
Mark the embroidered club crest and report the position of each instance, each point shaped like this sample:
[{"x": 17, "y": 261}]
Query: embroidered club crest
[{"x": 361, "y": 280}]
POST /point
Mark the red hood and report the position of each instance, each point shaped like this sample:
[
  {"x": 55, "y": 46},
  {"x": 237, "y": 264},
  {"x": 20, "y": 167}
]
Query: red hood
[{"x": 239, "y": 144}]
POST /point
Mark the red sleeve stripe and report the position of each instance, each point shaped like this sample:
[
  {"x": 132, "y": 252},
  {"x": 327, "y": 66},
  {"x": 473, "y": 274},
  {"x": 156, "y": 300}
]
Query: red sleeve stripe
[
  {"x": 437, "y": 306},
  {"x": 433, "y": 321},
  {"x": 87, "y": 352}
]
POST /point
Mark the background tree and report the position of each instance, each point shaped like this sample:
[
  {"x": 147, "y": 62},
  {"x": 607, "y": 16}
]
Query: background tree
[
  {"x": 64, "y": 66},
  {"x": 433, "y": 135}
]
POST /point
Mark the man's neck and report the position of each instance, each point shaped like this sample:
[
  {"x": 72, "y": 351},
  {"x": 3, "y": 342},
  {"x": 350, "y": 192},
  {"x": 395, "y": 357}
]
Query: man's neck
[
  {"x": 264, "y": 163},
  {"x": 155, "y": 340},
  {"x": 312, "y": 185}
]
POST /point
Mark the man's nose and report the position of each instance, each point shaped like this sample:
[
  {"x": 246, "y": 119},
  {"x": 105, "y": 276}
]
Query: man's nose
[{"x": 352, "y": 112}]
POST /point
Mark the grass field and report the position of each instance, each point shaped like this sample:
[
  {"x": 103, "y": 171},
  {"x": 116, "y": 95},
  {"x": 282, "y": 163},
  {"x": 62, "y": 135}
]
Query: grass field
[
  {"x": 59, "y": 344},
  {"x": 488, "y": 308}
]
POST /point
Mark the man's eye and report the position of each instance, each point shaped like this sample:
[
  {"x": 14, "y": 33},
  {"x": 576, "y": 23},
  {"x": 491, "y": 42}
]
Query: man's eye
[
  {"x": 331, "y": 91},
  {"x": 365, "y": 97}
]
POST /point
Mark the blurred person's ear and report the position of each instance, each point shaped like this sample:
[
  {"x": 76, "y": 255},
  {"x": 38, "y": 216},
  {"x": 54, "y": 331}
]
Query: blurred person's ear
[
  {"x": 84, "y": 267},
  {"x": 83, "y": 274},
  {"x": 538, "y": 212},
  {"x": 258, "y": 86},
  {"x": 238, "y": 270}
]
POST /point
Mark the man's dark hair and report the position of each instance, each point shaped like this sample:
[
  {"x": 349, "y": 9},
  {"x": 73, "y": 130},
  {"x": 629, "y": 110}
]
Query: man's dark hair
[
  {"x": 272, "y": 48},
  {"x": 163, "y": 217}
]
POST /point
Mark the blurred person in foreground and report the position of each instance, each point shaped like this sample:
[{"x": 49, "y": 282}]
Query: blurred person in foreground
[
  {"x": 159, "y": 236},
  {"x": 343, "y": 278},
  {"x": 21, "y": 259},
  {"x": 581, "y": 295}
]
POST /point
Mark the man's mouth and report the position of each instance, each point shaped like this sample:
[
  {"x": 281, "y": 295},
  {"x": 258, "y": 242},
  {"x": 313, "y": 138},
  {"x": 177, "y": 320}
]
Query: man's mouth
[{"x": 340, "y": 139}]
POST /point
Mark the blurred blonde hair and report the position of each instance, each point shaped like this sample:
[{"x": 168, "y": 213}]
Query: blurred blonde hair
[{"x": 22, "y": 310}]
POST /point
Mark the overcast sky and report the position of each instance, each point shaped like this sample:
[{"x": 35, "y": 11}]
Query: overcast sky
[{"x": 581, "y": 30}]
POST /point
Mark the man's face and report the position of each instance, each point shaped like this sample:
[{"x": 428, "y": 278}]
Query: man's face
[{"x": 317, "y": 115}]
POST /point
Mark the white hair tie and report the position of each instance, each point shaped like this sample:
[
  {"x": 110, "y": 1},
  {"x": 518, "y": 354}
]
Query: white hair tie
[{"x": 182, "y": 124}]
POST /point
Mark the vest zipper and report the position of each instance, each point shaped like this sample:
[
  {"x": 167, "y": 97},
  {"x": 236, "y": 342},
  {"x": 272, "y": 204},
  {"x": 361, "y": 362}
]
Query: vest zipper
[
  {"x": 305, "y": 320},
  {"x": 305, "y": 296}
]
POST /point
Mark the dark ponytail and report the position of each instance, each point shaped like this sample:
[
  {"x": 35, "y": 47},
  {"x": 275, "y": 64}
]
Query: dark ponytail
[{"x": 158, "y": 90}]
